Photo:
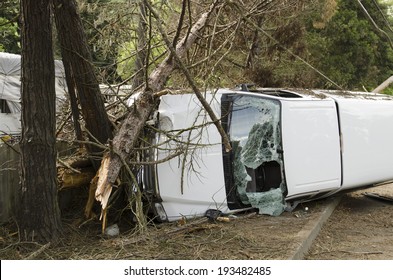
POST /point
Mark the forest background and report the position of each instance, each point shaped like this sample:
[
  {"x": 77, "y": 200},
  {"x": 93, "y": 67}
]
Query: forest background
[{"x": 336, "y": 37}]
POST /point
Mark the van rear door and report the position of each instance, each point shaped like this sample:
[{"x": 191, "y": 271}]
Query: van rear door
[{"x": 311, "y": 145}]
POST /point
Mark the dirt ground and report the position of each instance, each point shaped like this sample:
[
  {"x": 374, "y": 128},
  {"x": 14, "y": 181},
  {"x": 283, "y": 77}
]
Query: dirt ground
[{"x": 360, "y": 228}]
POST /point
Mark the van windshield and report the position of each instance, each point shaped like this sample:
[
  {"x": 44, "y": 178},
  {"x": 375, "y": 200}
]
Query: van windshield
[{"x": 257, "y": 164}]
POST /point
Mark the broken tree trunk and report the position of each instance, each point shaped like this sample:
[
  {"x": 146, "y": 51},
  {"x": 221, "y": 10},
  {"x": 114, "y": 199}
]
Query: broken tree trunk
[
  {"x": 127, "y": 137},
  {"x": 75, "y": 180},
  {"x": 74, "y": 173},
  {"x": 71, "y": 179}
]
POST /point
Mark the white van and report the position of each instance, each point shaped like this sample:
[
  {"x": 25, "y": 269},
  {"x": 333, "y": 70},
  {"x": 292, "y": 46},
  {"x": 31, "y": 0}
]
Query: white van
[{"x": 287, "y": 146}]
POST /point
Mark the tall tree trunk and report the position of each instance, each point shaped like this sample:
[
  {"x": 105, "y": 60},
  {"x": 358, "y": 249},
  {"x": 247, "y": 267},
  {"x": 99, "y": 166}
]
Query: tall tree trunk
[
  {"x": 39, "y": 216},
  {"x": 76, "y": 53}
]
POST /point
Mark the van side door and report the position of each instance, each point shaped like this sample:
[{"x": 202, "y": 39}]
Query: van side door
[{"x": 311, "y": 145}]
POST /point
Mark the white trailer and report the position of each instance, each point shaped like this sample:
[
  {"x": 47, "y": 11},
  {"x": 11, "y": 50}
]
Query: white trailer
[
  {"x": 10, "y": 92},
  {"x": 287, "y": 146}
]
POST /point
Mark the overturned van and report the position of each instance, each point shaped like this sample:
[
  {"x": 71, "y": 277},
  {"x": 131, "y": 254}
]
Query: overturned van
[{"x": 287, "y": 146}]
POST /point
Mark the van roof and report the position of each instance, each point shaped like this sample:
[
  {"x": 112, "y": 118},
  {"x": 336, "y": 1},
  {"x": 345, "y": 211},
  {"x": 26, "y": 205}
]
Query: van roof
[{"x": 319, "y": 94}]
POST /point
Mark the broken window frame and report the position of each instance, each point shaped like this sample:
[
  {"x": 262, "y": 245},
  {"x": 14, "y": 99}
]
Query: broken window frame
[{"x": 269, "y": 201}]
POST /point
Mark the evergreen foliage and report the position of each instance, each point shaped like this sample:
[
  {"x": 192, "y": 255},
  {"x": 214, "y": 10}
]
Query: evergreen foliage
[
  {"x": 350, "y": 50},
  {"x": 9, "y": 29},
  {"x": 336, "y": 37}
]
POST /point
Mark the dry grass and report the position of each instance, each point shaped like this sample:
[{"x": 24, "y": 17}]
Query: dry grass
[{"x": 249, "y": 236}]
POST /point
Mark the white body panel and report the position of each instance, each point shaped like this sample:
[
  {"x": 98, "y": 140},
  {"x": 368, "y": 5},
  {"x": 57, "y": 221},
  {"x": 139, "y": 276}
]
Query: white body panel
[
  {"x": 203, "y": 182},
  {"x": 311, "y": 144},
  {"x": 10, "y": 123},
  {"x": 367, "y": 137},
  {"x": 10, "y": 89}
]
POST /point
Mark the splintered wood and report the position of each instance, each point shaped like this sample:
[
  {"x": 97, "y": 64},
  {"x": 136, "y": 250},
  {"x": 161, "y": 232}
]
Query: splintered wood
[
  {"x": 77, "y": 172},
  {"x": 104, "y": 188}
]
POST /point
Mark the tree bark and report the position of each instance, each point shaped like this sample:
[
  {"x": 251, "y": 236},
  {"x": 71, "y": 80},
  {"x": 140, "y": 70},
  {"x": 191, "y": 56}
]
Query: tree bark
[
  {"x": 73, "y": 101},
  {"x": 76, "y": 53},
  {"x": 39, "y": 216}
]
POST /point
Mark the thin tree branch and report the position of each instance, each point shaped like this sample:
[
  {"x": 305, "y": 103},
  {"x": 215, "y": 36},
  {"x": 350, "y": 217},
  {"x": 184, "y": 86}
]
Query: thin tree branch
[{"x": 375, "y": 24}]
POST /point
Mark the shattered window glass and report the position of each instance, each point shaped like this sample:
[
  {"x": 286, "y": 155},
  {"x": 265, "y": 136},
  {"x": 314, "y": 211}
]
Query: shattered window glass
[{"x": 256, "y": 139}]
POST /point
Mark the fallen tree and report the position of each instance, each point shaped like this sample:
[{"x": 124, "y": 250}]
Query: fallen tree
[{"x": 128, "y": 136}]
